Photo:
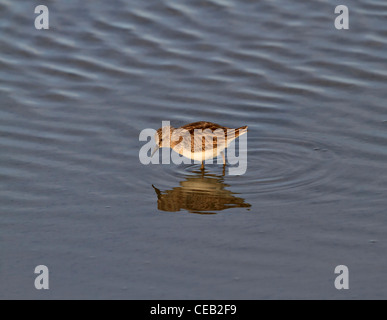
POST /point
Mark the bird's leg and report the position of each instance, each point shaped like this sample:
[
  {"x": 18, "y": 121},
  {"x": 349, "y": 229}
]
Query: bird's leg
[
  {"x": 224, "y": 163},
  {"x": 202, "y": 167}
]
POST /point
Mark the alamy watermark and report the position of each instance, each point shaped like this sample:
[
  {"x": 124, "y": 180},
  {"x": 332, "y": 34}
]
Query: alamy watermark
[
  {"x": 342, "y": 280},
  {"x": 42, "y": 20},
  {"x": 42, "y": 280},
  {"x": 342, "y": 20},
  {"x": 199, "y": 146}
]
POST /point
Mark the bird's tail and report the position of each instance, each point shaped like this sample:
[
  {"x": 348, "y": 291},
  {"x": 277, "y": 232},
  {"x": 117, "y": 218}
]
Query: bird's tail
[{"x": 240, "y": 131}]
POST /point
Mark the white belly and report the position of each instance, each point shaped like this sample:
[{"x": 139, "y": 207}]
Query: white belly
[{"x": 200, "y": 156}]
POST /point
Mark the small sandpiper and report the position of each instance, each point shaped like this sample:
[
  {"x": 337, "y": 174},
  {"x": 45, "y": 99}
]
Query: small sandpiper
[{"x": 198, "y": 141}]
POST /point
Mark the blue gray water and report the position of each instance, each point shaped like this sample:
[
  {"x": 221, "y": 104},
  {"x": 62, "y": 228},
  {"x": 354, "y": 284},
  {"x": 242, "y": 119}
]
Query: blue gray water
[{"x": 75, "y": 197}]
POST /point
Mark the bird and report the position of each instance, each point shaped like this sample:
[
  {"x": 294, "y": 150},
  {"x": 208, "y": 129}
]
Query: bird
[{"x": 198, "y": 141}]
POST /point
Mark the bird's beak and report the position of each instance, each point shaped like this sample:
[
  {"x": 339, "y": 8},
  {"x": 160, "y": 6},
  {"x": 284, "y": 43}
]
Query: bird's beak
[
  {"x": 154, "y": 150},
  {"x": 158, "y": 192}
]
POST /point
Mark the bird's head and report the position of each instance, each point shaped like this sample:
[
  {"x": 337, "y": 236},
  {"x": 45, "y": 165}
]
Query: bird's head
[{"x": 163, "y": 138}]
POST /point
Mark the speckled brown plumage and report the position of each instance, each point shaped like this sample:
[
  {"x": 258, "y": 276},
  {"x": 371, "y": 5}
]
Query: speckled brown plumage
[{"x": 203, "y": 125}]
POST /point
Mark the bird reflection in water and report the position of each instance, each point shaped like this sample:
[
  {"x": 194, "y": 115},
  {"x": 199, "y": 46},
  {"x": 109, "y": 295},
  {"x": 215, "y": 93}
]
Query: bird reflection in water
[{"x": 200, "y": 193}]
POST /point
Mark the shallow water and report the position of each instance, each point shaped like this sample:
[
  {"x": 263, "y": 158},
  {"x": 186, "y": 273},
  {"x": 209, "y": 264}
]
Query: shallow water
[{"x": 75, "y": 197}]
